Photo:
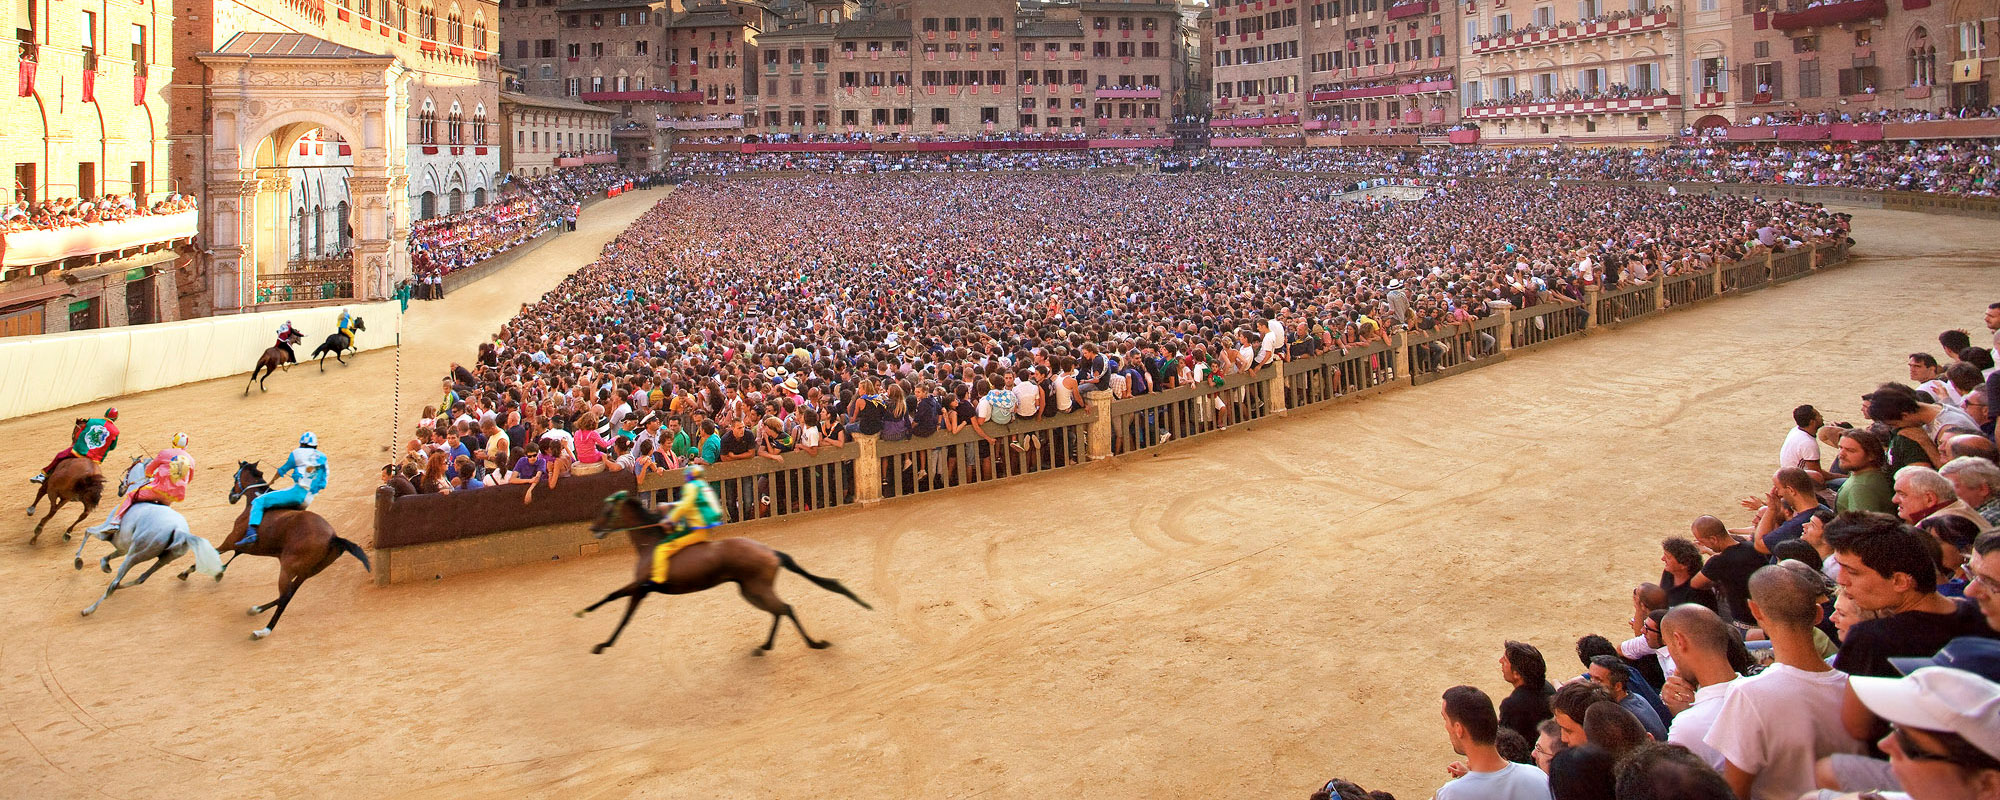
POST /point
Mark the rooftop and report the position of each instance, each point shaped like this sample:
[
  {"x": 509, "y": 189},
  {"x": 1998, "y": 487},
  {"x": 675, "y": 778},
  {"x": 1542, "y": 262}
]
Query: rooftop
[{"x": 289, "y": 45}]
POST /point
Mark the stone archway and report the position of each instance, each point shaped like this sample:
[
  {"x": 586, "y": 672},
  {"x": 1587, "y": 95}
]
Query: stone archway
[{"x": 265, "y": 91}]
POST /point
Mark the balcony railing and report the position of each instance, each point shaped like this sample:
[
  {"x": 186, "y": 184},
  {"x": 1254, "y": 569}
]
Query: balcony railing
[
  {"x": 1573, "y": 32},
  {"x": 644, "y": 96},
  {"x": 1128, "y": 94},
  {"x": 699, "y": 124},
  {"x": 1830, "y": 14},
  {"x": 28, "y": 248},
  {"x": 1561, "y": 108},
  {"x": 286, "y": 287},
  {"x": 1382, "y": 91},
  {"x": 587, "y": 159},
  {"x": 1413, "y": 9}
]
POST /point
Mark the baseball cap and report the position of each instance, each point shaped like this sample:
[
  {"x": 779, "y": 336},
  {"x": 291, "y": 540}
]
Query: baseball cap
[
  {"x": 1975, "y": 654},
  {"x": 1937, "y": 699}
]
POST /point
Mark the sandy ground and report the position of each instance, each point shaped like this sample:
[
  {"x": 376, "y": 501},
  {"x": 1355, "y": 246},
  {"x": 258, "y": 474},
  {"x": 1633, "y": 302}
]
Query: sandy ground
[{"x": 1261, "y": 612}]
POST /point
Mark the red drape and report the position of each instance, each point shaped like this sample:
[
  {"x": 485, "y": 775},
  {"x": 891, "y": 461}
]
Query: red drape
[
  {"x": 89, "y": 86},
  {"x": 138, "y": 90},
  {"x": 27, "y": 78}
]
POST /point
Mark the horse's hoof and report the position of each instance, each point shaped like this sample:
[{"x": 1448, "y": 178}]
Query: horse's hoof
[
  {"x": 105, "y": 566},
  {"x": 86, "y": 612},
  {"x": 758, "y": 652},
  {"x": 79, "y": 564},
  {"x": 819, "y": 645},
  {"x": 65, "y": 537},
  {"x": 579, "y": 614},
  {"x": 254, "y": 611},
  {"x": 598, "y": 650},
  {"x": 259, "y": 633},
  {"x": 218, "y": 577},
  {"x": 182, "y": 576}
]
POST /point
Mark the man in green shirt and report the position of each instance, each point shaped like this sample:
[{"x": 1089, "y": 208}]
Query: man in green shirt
[
  {"x": 1868, "y": 486},
  {"x": 683, "y": 446}
]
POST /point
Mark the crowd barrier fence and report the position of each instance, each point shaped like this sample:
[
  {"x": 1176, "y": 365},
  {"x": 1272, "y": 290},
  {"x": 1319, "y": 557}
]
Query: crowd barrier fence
[{"x": 431, "y": 536}]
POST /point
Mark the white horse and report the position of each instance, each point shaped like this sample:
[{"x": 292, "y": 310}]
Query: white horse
[
  {"x": 135, "y": 475},
  {"x": 153, "y": 531}
]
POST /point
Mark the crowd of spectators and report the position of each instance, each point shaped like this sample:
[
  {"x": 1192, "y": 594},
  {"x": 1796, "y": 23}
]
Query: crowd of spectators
[
  {"x": 1885, "y": 115},
  {"x": 527, "y": 207},
  {"x": 724, "y": 164},
  {"x": 927, "y": 304},
  {"x": 1613, "y": 16},
  {"x": 77, "y": 212},
  {"x": 1616, "y": 91},
  {"x": 1839, "y": 639}
]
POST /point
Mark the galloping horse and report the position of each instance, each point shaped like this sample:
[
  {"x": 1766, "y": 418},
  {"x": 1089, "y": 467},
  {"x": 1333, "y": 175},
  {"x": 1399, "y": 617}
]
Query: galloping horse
[
  {"x": 749, "y": 564},
  {"x": 303, "y": 543},
  {"x": 157, "y": 532},
  {"x": 75, "y": 479},
  {"x": 336, "y": 344},
  {"x": 135, "y": 474},
  {"x": 273, "y": 358}
]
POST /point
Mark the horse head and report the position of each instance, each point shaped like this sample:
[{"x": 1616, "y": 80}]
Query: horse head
[
  {"x": 622, "y": 512},
  {"x": 247, "y": 477},
  {"x": 135, "y": 474},
  {"x": 296, "y": 336},
  {"x": 360, "y": 325}
]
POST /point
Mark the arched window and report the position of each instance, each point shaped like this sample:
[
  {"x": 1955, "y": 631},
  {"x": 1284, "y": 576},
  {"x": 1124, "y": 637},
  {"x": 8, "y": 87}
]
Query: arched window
[
  {"x": 479, "y": 197},
  {"x": 426, "y": 22},
  {"x": 319, "y": 231},
  {"x": 454, "y": 27},
  {"x": 455, "y": 125},
  {"x": 341, "y": 231},
  {"x": 299, "y": 224},
  {"x": 427, "y": 124},
  {"x": 1923, "y": 58},
  {"x": 457, "y": 201},
  {"x": 479, "y": 124},
  {"x": 402, "y": 15},
  {"x": 479, "y": 31}
]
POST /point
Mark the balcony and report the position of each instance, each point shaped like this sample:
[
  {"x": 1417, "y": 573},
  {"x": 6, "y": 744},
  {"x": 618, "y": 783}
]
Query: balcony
[
  {"x": 30, "y": 248},
  {"x": 1575, "y": 32},
  {"x": 700, "y": 124},
  {"x": 1420, "y": 87},
  {"x": 587, "y": 159},
  {"x": 1413, "y": 9},
  {"x": 1830, "y": 14},
  {"x": 1567, "y": 108},
  {"x": 644, "y": 96},
  {"x": 1255, "y": 122},
  {"x": 1128, "y": 94}
]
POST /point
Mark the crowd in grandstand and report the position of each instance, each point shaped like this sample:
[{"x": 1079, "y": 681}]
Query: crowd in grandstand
[
  {"x": 1839, "y": 641},
  {"x": 1613, "y": 16},
  {"x": 527, "y": 207},
  {"x": 76, "y": 212},
  {"x": 705, "y": 332}
]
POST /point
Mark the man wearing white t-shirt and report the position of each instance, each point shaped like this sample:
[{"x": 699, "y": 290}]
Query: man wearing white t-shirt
[
  {"x": 1801, "y": 446},
  {"x": 1773, "y": 727},
  {"x": 1274, "y": 341},
  {"x": 1699, "y": 640},
  {"x": 1473, "y": 725}
]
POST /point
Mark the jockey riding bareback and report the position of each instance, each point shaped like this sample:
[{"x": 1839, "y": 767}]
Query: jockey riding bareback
[
  {"x": 306, "y": 466},
  {"x": 691, "y": 517},
  {"x": 92, "y": 438},
  {"x": 167, "y": 478}
]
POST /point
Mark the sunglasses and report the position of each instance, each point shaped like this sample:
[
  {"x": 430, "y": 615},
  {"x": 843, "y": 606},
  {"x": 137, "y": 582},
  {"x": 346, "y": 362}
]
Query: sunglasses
[{"x": 1914, "y": 753}]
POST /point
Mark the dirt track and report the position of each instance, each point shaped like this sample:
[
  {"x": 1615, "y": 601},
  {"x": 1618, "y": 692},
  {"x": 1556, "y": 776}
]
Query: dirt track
[{"x": 1255, "y": 614}]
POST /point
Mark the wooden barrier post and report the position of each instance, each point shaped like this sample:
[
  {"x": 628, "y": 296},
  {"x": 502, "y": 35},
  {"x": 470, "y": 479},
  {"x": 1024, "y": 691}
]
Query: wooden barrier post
[
  {"x": 1399, "y": 356},
  {"x": 1506, "y": 334},
  {"x": 1715, "y": 280},
  {"x": 1590, "y": 294},
  {"x": 867, "y": 471},
  {"x": 1100, "y": 424},
  {"x": 1274, "y": 390}
]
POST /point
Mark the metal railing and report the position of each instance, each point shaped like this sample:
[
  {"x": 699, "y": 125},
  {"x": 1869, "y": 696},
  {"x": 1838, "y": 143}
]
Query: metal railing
[
  {"x": 1750, "y": 273},
  {"x": 1680, "y": 290},
  {"x": 286, "y": 287}
]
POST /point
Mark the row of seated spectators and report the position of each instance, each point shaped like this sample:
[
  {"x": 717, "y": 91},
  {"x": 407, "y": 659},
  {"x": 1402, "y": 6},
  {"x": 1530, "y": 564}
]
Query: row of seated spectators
[
  {"x": 1842, "y": 637},
  {"x": 705, "y": 333},
  {"x": 526, "y": 208},
  {"x": 76, "y": 212},
  {"x": 1616, "y": 91},
  {"x": 1886, "y": 115},
  {"x": 1610, "y": 17}
]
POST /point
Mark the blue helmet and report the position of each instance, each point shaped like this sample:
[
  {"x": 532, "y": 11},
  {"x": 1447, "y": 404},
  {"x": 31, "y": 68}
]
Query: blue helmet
[
  {"x": 308, "y": 440},
  {"x": 692, "y": 472}
]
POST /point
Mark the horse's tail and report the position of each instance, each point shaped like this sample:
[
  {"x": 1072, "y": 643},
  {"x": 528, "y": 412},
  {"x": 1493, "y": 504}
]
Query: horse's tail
[
  {"x": 90, "y": 489},
  {"x": 828, "y": 584},
  {"x": 354, "y": 550},
  {"x": 206, "y": 560}
]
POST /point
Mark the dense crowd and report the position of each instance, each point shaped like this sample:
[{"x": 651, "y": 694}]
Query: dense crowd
[
  {"x": 1783, "y": 117},
  {"x": 723, "y": 164},
  {"x": 930, "y": 303},
  {"x": 76, "y": 212},
  {"x": 1839, "y": 641},
  {"x": 1613, "y": 16},
  {"x": 526, "y": 208}
]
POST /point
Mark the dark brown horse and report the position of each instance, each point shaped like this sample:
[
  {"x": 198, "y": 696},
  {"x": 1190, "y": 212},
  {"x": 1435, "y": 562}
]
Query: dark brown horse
[
  {"x": 301, "y": 541},
  {"x": 273, "y": 358},
  {"x": 749, "y": 564},
  {"x": 338, "y": 343},
  {"x": 73, "y": 480}
]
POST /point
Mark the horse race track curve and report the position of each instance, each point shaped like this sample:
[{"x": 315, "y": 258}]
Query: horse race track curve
[{"x": 1243, "y": 617}]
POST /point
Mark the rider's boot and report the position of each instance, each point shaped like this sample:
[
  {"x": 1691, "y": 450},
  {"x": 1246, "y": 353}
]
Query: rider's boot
[
  {"x": 39, "y": 477},
  {"x": 249, "y": 537}
]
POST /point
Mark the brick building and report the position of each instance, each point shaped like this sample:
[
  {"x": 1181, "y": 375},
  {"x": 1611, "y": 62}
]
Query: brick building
[
  {"x": 1590, "y": 71},
  {"x": 536, "y": 131},
  {"x": 1975, "y": 53},
  {"x": 88, "y": 116},
  {"x": 1340, "y": 65},
  {"x": 1849, "y": 56}
]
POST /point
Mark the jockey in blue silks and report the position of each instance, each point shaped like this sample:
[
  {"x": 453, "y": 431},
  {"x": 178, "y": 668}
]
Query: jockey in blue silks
[{"x": 306, "y": 466}]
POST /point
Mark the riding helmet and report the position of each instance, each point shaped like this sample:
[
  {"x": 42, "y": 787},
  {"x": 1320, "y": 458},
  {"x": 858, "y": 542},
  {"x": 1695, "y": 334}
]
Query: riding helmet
[
  {"x": 692, "y": 471},
  {"x": 308, "y": 440},
  {"x": 111, "y": 413},
  {"x": 180, "y": 441}
]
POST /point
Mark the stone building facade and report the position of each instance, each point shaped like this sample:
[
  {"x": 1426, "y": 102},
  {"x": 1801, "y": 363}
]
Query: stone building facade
[
  {"x": 1590, "y": 70},
  {"x": 534, "y": 131},
  {"x": 1848, "y": 56},
  {"x": 1279, "y": 66}
]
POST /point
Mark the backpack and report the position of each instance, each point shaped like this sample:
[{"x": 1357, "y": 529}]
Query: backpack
[{"x": 1000, "y": 406}]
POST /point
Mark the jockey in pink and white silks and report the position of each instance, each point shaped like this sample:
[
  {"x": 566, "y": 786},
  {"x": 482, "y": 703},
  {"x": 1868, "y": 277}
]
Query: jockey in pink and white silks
[{"x": 167, "y": 478}]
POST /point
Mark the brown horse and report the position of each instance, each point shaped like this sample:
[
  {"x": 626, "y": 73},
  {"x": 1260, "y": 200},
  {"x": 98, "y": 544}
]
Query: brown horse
[
  {"x": 303, "y": 543},
  {"x": 273, "y": 358},
  {"x": 74, "y": 479},
  {"x": 749, "y": 564}
]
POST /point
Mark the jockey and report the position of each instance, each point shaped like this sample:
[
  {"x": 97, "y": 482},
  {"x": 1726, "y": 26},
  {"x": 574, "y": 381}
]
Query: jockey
[
  {"x": 168, "y": 475},
  {"x": 346, "y": 325},
  {"x": 691, "y": 517},
  {"x": 306, "y": 466},
  {"x": 285, "y": 334},
  {"x": 92, "y": 438}
]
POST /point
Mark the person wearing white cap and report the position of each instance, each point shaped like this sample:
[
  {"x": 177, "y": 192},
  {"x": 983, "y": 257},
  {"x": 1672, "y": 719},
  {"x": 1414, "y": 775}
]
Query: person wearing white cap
[{"x": 1944, "y": 743}]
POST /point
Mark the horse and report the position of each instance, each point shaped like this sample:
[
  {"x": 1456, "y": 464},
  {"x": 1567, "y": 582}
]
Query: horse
[
  {"x": 336, "y": 344},
  {"x": 74, "y": 479},
  {"x": 273, "y": 358},
  {"x": 303, "y": 542},
  {"x": 135, "y": 474},
  {"x": 152, "y": 531},
  {"x": 749, "y": 564}
]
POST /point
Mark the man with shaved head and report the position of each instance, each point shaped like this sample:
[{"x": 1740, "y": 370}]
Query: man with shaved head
[
  {"x": 1971, "y": 445},
  {"x": 1771, "y": 730},
  {"x": 1728, "y": 571},
  {"x": 1700, "y": 641}
]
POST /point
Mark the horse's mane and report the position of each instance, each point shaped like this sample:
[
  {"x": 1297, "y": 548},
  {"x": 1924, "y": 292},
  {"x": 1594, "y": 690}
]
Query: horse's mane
[{"x": 644, "y": 511}]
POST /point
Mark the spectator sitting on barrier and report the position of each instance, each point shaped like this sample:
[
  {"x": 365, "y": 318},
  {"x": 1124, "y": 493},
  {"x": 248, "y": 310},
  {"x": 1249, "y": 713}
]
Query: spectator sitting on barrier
[
  {"x": 392, "y": 477},
  {"x": 1801, "y": 448},
  {"x": 1472, "y": 726}
]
